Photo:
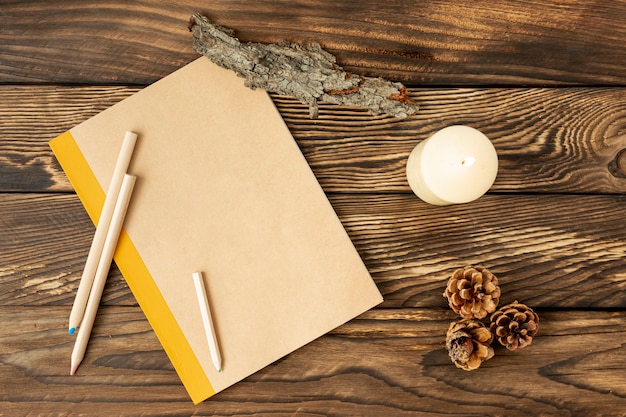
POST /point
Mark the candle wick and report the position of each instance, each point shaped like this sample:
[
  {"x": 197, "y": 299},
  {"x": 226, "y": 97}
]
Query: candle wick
[{"x": 468, "y": 160}]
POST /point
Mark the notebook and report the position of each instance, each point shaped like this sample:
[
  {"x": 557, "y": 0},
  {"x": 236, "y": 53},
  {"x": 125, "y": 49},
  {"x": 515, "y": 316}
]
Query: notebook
[{"x": 222, "y": 188}]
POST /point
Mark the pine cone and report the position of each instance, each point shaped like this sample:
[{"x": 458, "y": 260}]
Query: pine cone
[
  {"x": 468, "y": 342},
  {"x": 473, "y": 292},
  {"x": 514, "y": 325}
]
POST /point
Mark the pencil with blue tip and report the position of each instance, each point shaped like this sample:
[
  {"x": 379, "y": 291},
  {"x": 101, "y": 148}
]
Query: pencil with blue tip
[
  {"x": 97, "y": 245},
  {"x": 110, "y": 243}
]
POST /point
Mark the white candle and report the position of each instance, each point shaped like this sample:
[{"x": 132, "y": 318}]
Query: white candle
[{"x": 456, "y": 165}]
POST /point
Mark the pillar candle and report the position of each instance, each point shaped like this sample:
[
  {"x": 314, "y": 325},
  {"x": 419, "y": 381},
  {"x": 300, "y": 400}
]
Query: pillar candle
[{"x": 456, "y": 165}]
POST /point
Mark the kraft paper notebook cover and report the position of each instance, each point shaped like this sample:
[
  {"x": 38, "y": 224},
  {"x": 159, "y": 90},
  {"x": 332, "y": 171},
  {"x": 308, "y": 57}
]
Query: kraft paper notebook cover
[{"x": 222, "y": 188}]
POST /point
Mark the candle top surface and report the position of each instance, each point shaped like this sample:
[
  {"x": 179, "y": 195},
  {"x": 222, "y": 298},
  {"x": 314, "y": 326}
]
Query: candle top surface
[{"x": 459, "y": 164}]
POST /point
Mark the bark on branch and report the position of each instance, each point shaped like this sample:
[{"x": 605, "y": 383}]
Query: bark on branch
[{"x": 305, "y": 72}]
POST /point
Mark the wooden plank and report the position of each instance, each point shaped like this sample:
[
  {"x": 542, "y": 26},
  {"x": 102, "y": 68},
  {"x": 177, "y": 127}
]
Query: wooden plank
[
  {"x": 386, "y": 362},
  {"x": 33, "y": 115},
  {"x": 43, "y": 249},
  {"x": 550, "y": 251},
  {"x": 548, "y": 140},
  {"x": 444, "y": 42}
]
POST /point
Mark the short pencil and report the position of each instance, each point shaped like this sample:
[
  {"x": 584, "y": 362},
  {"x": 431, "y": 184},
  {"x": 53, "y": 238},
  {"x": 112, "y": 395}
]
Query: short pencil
[{"x": 207, "y": 321}]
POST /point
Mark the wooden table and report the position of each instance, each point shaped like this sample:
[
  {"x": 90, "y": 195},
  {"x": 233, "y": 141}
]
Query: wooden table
[{"x": 544, "y": 80}]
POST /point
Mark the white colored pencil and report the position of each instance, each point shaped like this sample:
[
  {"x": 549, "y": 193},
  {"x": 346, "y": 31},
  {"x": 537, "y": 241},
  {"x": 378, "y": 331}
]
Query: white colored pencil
[
  {"x": 97, "y": 245},
  {"x": 110, "y": 243},
  {"x": 207, "y": 320}
]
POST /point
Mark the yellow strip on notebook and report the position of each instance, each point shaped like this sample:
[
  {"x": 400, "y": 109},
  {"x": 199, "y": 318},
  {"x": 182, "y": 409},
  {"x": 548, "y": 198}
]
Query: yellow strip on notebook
[{"x": 135, "y": 272}]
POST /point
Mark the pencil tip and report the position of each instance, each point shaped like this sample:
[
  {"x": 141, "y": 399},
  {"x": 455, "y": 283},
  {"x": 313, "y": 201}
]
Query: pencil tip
[
  {"x": 73, "y": 370},
  {"x": 71, "y": 330}
]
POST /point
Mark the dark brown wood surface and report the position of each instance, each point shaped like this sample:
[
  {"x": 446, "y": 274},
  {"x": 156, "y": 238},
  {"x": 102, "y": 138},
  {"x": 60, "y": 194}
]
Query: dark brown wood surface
[
  {"x": 544, "y": 80},
  {"x": 447, "y": 42}
]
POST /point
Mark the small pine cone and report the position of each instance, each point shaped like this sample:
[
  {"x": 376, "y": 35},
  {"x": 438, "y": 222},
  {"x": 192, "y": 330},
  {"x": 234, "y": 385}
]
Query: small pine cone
[
  {"x": 514, "y": 325},
  {"x": 468, "y": 342},
  {"x": 473, "y": 292}
]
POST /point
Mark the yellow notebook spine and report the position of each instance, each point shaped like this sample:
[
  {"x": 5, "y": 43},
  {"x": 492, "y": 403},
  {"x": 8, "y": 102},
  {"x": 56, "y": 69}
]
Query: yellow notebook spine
[{"x": 135, "y": 272}]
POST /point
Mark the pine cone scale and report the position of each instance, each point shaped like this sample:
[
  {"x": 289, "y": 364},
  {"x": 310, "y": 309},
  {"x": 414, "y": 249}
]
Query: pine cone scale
[
  {"x": 476, "y": 307},
  {"x": 489, "y": 304},
  {"x": 519, "y": 317},
  {"x": 466, "y": 294}
]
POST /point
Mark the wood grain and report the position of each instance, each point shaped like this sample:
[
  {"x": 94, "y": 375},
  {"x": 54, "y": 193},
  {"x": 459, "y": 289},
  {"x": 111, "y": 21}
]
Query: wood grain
[
  {"x": 434, "y": 42},
  {"x": 548, "y": 140},
  {"x": 552, "y": 228},
  {"x": 542, "y": 253},
  {"x": 31, "y": 116},
  {"x": 44, "y": 246},
  {"x": 386, "y": 362}
]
